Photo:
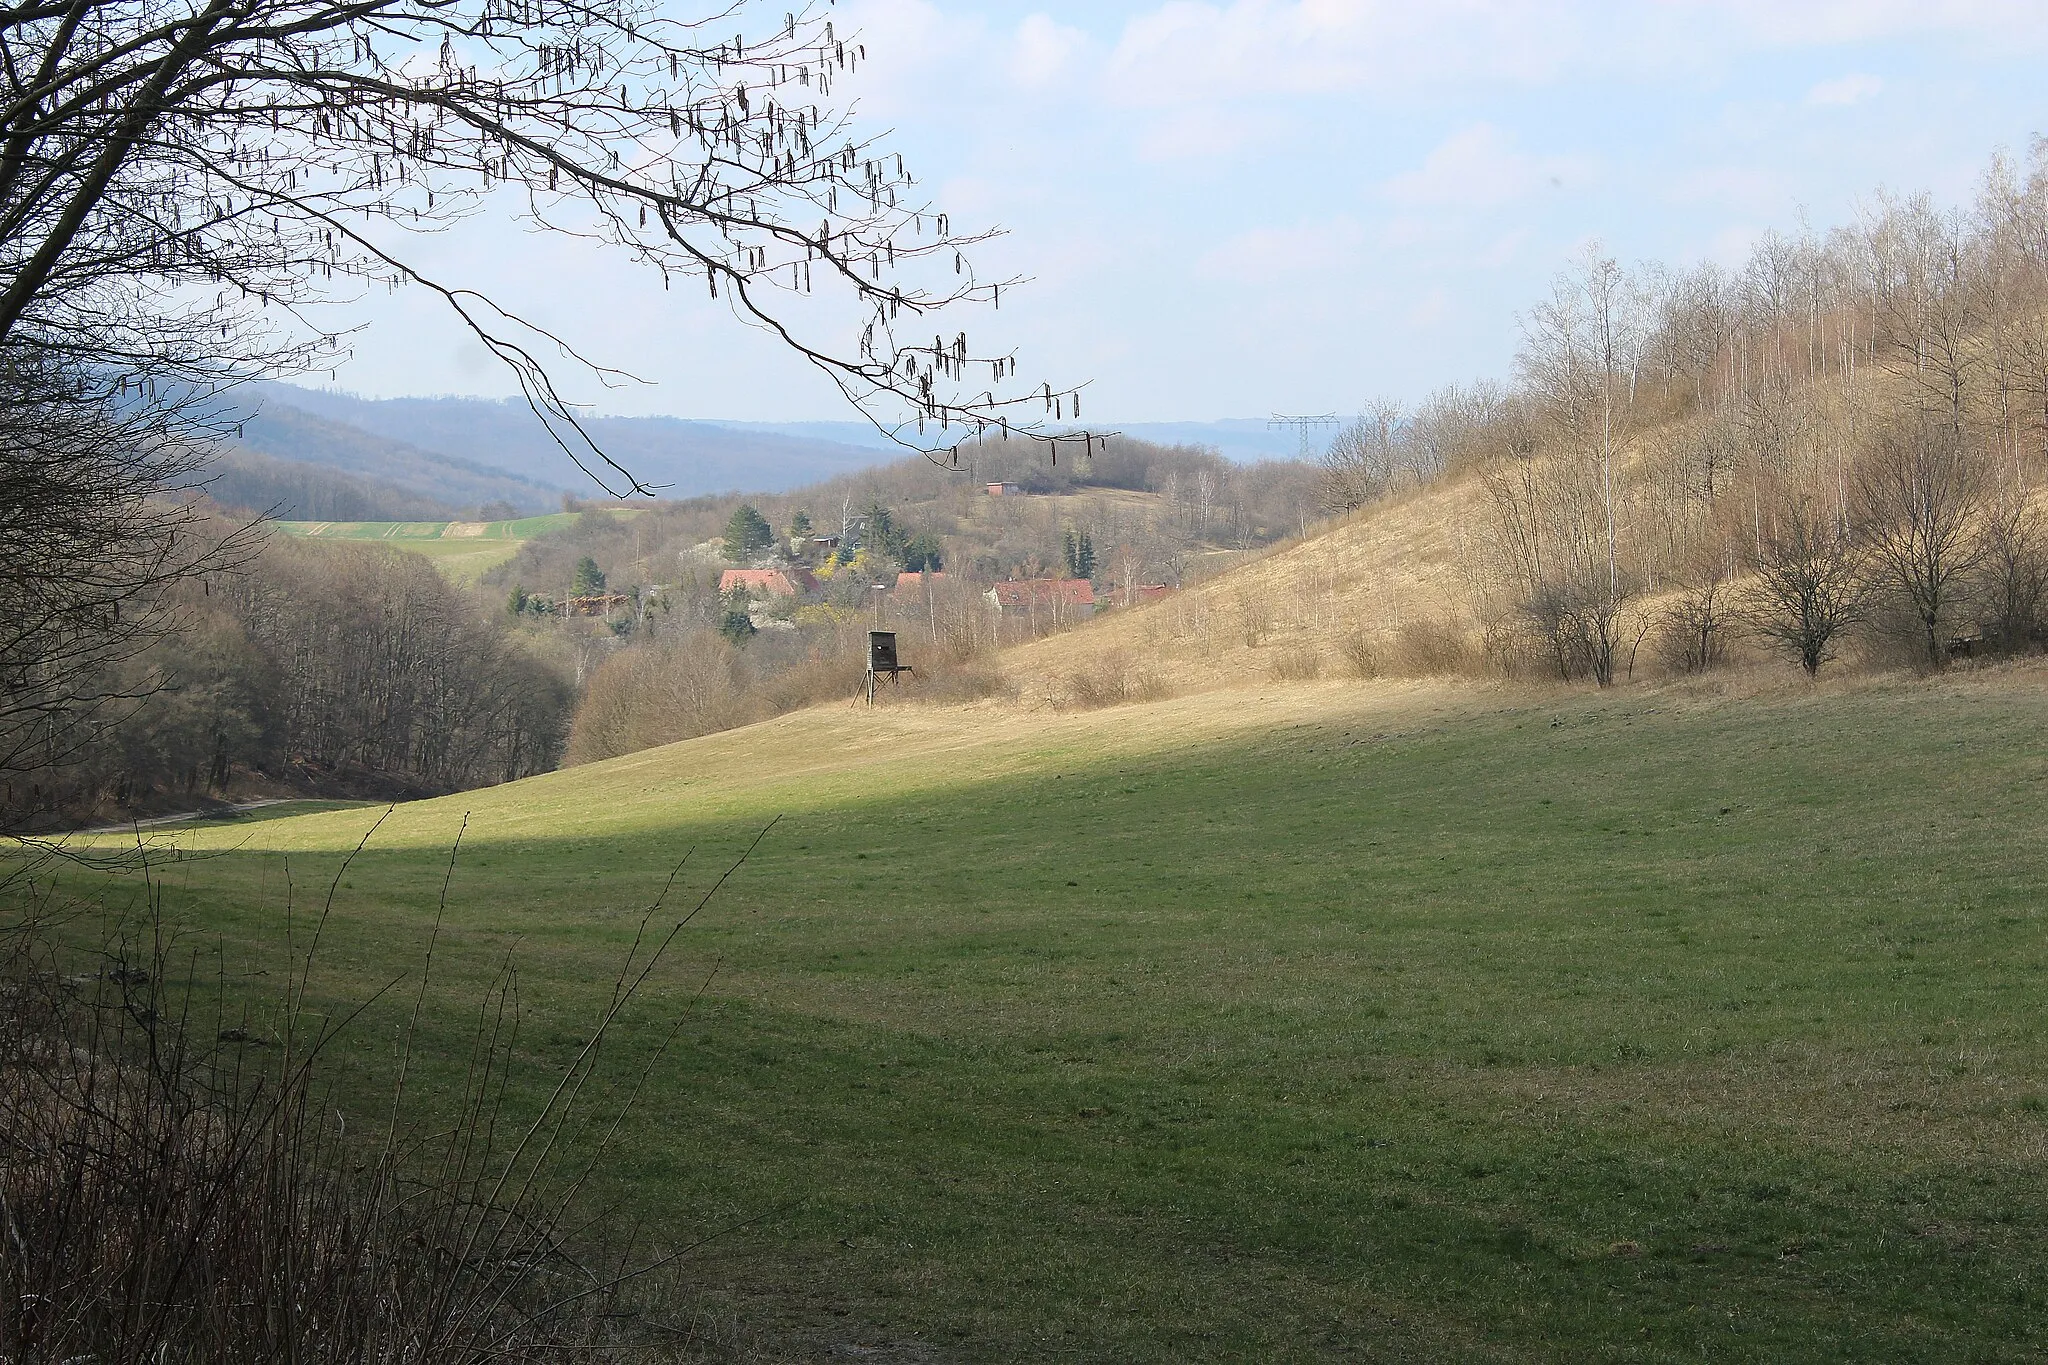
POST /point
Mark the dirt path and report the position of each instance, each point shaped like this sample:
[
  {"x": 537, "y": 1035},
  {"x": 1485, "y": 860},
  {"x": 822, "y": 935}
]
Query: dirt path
[{"x": 216, "y": 812}]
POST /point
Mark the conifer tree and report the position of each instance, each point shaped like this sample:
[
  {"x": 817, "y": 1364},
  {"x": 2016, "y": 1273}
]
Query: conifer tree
[{"x": 747, "y": 534}]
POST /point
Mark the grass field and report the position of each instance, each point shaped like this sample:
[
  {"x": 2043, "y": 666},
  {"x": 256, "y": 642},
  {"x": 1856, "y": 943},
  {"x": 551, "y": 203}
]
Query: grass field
[
  {"x": 1406, "y": 1023},
  {"x": 464, "y": 550}
]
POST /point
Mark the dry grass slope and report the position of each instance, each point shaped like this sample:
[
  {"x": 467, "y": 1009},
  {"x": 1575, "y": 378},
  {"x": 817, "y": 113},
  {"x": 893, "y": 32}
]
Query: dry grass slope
[{"x": 1388, "y": 591}]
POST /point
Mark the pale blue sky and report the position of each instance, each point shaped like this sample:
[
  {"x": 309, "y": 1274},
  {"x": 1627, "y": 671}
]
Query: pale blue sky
[{"x": 1232, "y": 208}]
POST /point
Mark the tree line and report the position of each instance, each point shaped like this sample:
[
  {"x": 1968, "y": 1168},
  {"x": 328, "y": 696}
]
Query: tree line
[{"x": 331, "y": 668}]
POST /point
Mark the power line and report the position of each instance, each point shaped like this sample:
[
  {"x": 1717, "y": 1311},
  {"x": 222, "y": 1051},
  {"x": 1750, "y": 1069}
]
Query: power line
[{"x": 1306, "y": 425}]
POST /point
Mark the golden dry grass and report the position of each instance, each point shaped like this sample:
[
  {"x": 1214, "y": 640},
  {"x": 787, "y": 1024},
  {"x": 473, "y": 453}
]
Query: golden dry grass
[{"x": 1401, "y": 561}]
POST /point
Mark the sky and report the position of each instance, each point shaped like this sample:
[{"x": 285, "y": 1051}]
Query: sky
[{"x": 1235, "y": 208}]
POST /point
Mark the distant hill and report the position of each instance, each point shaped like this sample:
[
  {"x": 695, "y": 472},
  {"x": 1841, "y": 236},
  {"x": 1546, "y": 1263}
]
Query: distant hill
[
  {"x": 1244, "y": 440},
  {"x": 286, "y": 432},
  {"x": 679, "y": 457},
  {"x": 292, "y": 490},
  {"x": 426, "y": 458}
]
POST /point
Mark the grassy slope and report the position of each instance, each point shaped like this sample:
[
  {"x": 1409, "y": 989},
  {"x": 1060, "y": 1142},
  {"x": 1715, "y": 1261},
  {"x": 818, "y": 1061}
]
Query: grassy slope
[
  {"x": 1402, "y": 559},
  {"x": 462, "y": 550},
  {"x": 1400, "y": 1023}
]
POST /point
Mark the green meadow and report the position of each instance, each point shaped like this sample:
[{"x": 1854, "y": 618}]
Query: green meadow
[
  {"x": 462, "y": 550},
  {"x": 1408, "y": 1023}
]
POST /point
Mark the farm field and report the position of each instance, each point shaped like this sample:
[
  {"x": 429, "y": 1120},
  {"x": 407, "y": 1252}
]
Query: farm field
[
  {"x": 1413, "y": 1021},
  {"x": 464, "y": 550}
]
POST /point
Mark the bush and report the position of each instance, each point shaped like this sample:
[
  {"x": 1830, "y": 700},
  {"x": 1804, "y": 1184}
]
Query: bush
[
  {"x": 1254, "y": 618},
  {"x": 1298, "y": 662},
  {"x": 1425, "y": 647},
  {"x": 660, "y": 693},
  {"x": 1114, "y": 680},
  {"x": 1691, "y": 634},
  {"x": 1512, "y": 647},
  {"x": 1360, "y": 652},
  {"x": 2012, "y": 590}
]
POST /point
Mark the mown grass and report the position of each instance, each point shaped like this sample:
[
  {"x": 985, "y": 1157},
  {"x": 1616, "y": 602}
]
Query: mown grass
[
  {"x": 463, "y": 556},
  {"x": 1394, "y": 1025}
]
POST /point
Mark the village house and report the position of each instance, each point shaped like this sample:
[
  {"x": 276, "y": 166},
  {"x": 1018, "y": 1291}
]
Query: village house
[
  {"x": 1001, "y": 490},
  {"x": 911, "y": 590},
  {"x": 792, "y": 582},
  {"x": 1060, "y": 598}
]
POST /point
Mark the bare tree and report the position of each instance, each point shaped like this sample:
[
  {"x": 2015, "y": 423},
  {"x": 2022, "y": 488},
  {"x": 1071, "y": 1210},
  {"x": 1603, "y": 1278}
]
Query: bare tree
[
  {"x": 1809, "y": 585},
  {"x": 1696, "y": 314},
  {"x": 2013, "y": 576},
  {"x": 1919, "y": 497},
  {"x": 2013, "y": 221},
  {"x": 1362, "y": 459},
  {"x": 1458, "y": 428},
  {"x": 1207, "y": 485},
  {"x": 1580, "y": 357},
  {"x": 1697, "y": 622},
  {"x": 1927, "y": 317},
  {"x": 264, "y": 149},
  {"x": 89, "y": 542}
]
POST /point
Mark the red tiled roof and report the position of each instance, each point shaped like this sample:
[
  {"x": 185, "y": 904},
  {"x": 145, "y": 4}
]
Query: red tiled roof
[
  {"x": 907, "y": 579},
  {"x": 1045, "y": 592},
  {"x": 774, "y": 582}
]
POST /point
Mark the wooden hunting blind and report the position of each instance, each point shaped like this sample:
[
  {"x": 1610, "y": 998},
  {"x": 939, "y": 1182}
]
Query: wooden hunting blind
[{"x": 882, "y": 661}]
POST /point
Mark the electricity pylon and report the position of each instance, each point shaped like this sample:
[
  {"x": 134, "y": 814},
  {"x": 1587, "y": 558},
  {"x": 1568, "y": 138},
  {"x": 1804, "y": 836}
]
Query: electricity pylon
[{"x": 1306, "y": 425}]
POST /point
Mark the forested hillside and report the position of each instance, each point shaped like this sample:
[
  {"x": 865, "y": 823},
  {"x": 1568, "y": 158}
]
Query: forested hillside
[
  {"x": 290, "y": 434},
  {"x": 292, "y": 490},
  {"x": 350, "y": 665}
]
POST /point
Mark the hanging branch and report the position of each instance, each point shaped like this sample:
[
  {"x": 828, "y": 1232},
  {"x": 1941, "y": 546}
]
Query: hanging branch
[{"x": 236, "y": 162}]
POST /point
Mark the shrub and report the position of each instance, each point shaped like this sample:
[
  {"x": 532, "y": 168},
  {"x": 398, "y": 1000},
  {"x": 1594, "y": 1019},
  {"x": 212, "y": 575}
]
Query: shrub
[
  {"x": 1114, "y": 680},
  {"x": 1360, "y": 652},
  {"x": 1254, "y": 618},
  {"x": 2012, "y": 591},
  {"x": 1298, "y": 662},
  {"x": 1425, "y": 647},
  {"x": 657, "y": 694},
  {"x": 1692, "y": 632}
]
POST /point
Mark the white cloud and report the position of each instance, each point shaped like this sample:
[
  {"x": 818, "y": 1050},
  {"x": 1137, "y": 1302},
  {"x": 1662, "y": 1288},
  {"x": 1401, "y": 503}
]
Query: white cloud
[
  {"x": 1479, "y": 167},
  {"x": 1265, "y": 254},
  {"x": 1194, "y": 50},
  {"x": 1187, "y": 51},
  {"x": 918, "y": 56},
  {"x": 1845, "y": 90},
  {"x": 1044, "y": 51}
]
